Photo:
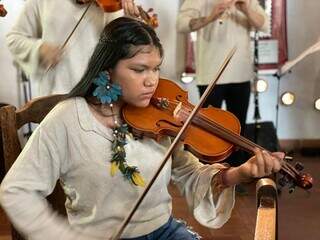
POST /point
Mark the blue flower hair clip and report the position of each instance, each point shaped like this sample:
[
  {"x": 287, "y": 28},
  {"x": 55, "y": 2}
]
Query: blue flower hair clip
[{"x": 105, "y": 91}]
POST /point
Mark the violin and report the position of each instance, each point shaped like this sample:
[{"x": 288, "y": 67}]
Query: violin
[
  {"x": 169, "y": 113},
  {"x": 115, "y": 5},
  {"x": 212, "y": 136},
  {"x": 109, "y": 5},
  {"x": 3, "y": 11},
  {"x": 148, "y": 17}
]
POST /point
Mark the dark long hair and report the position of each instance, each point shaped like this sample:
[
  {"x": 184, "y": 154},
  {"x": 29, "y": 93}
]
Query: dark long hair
[{"x": 120, "y": 39}]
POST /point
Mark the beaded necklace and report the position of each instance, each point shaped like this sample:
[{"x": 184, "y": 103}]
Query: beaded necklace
[{"x": 107, "y": 93}]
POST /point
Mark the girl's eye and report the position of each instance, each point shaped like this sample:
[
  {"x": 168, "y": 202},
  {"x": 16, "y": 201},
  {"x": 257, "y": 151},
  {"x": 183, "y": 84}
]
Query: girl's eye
[
  {"x": 157, "y": 69},
  {"x": 138, "y": 70}
]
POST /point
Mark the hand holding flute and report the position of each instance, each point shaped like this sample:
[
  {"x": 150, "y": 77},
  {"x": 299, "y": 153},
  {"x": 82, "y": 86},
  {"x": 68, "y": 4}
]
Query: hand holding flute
[
  {"x": 223, "y": 8},
  {"x": 220, "y": 10}
]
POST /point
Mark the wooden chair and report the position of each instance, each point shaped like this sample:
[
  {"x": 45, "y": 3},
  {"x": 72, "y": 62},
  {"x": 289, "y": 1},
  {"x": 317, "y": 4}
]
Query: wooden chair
[
  {"x": 2, "y": 172},
  {"x": 11, "y": 120},
  {"x": 267, "y": 205}
]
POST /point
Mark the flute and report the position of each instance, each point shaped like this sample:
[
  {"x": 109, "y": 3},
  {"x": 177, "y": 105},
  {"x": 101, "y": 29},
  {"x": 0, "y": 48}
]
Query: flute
[
  {"x": 223, "y": 16},
  {"x": 227, "y": 12}
]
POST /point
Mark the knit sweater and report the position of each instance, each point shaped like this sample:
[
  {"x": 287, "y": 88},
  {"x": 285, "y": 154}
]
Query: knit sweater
[{"x": 72, "y": 146}]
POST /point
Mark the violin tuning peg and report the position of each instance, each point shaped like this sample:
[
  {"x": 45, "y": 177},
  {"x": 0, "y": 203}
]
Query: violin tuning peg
[
  {"x": 298, "y": 166},
  {"x": 279, "y": 190},
  {"x": 283, "y": 181},
  {"x": 292, "y": 188}
]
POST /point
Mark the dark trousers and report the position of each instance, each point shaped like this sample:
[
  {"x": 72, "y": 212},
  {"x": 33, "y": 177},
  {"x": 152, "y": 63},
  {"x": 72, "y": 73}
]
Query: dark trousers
[{"x": 236, "y": 96}]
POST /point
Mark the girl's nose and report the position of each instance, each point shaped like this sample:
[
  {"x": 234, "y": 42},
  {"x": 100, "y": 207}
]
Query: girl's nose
[{"x": 150, "y": 81}]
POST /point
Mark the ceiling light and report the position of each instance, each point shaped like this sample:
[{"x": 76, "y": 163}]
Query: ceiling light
[
  {"x": 317, "y": 104},
  {"x": 261, "y": 85},
  {"x": 287, "y": 98},
  {"x": 187, "y": 77}
]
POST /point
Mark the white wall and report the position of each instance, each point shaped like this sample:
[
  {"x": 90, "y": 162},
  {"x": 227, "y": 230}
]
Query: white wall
[
  {"x": 8, "y": 75},
  {"x": 172, "y": 42},
  {"x": 301, "y": 120}
]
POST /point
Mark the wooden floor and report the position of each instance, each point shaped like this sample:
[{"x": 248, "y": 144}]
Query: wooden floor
[
  {"x": 4, "y": 227},
  {"x": 299, "y": 213}
]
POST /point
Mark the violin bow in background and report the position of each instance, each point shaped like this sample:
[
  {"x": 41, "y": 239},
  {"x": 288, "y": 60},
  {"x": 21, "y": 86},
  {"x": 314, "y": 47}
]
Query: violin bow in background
[
  {"x": 112, "y": 6},
  {"x": 72, "y": 31}
]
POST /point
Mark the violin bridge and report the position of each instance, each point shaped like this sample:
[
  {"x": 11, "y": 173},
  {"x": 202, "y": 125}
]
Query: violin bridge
[{"x": 177, "y": 110}]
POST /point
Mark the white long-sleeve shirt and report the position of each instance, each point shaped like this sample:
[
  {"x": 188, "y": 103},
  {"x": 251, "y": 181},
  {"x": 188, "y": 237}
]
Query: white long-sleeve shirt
[
  {"x": 215, "y": 40},
  {"x": 70, "y": 144},
  {"x": 52, "y": 21}
]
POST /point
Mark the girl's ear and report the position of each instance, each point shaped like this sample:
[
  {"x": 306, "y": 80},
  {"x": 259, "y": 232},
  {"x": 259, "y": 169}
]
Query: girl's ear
[{"x": 110, "y": 71}]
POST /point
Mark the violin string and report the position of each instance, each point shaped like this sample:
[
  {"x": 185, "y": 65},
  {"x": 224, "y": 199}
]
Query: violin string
[
  {"x": 224, "y": 130},
  {"x": 291, "y": 170},
  {"x": 234, "y": 137},
  {"x": 286, "y": 167},
  {"x": 248, "y": 145}
]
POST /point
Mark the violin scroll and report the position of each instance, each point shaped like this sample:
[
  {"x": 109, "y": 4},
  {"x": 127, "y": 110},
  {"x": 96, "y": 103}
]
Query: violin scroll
[
  {"x": 148, "y": 17},
  {"x": 306, "y": 181},
  {"x": 293, "y": 177}
]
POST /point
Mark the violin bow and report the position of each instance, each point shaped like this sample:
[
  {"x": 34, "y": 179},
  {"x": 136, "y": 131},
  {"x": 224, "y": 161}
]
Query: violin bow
[
  {"x": 77, "y": 24},
  {"x": 144, "y": 15},
  {"x": 72, "y": 31},
  {"x": 175, "y": 143}
]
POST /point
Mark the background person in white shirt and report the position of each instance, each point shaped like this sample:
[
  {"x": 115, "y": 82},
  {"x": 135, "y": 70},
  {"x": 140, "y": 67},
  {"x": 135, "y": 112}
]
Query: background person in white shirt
[
  {"x": 41, "y": 29},
  {"x": 221, "y": 25},
  {"x": 84, "y": 143}
]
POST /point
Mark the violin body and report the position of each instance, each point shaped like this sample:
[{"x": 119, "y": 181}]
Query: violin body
[
  {"x": 155, "y": 123},
  {"x": 109, "y": 5}
]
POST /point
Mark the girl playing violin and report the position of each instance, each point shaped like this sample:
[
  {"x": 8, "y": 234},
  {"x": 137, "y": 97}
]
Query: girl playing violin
[
  {"x": 40, "y": 31},
  {"x": 84, "y": 143}
]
